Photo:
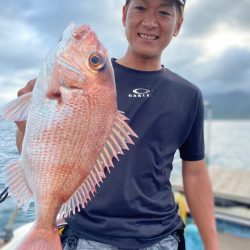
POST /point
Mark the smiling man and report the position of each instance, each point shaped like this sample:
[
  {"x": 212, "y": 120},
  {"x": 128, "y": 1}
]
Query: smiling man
[
  {"x": 135, "y": 206},
  {"x": 150, "y": 26}
]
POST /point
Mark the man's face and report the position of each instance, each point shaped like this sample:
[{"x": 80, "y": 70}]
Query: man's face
[{"x": 150, "y": 26}]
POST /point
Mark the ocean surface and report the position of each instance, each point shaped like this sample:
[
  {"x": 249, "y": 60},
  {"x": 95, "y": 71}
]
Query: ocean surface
[{"x": 227, "y": 144}]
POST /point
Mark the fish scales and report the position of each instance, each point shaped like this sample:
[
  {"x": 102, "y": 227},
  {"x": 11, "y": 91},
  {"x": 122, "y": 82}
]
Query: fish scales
[{"x": 72, "y": 133}]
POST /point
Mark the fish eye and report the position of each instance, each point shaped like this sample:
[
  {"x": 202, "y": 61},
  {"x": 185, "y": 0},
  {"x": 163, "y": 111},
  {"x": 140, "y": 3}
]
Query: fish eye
[{"x": 96, "y": 61}]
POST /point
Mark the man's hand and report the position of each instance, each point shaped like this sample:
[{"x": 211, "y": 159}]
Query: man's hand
[
  {"x": 28, "y": 88},
  {"x": 199, "y": 195},
  {"x": 22, "y": 124}
]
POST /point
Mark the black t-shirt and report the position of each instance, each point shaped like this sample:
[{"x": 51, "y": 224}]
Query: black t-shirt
[{"x": 135, "y": 206}]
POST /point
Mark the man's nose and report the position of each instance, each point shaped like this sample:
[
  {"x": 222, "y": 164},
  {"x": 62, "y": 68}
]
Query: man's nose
[{"x": 150, "y": 21}]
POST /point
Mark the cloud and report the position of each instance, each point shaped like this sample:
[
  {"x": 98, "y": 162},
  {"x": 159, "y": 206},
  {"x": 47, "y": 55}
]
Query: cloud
[
  {"x": 228, "y": 72},
  {"x": 212, "y": 49},
  {"x": 232, "y": 67},
  {"x": 203, "y": 16},
  {"x": 50, "y": 18},
  {"x": 30, "y": 28}
]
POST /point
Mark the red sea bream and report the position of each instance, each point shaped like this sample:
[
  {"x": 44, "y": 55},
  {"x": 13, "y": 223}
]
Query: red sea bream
[{"x": 73, "y": 131}]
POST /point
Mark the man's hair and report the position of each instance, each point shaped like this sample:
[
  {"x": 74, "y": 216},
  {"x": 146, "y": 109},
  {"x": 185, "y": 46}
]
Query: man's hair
[{"x": 180, "y": 6}]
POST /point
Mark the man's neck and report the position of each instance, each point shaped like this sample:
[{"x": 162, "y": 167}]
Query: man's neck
[{"x": 140, "y": 63}]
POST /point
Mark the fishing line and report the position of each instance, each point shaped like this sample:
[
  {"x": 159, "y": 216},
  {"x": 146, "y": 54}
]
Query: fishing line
[{"x": 4, "y": 195}]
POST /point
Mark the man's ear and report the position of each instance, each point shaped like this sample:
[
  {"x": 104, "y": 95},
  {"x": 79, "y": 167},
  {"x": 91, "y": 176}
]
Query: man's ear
[
  {"x": 178, "y": 26},
  {"x": 124, "y": 15}
]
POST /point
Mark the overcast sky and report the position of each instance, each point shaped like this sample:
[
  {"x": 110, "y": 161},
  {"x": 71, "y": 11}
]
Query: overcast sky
[{"x": 212, "y": 49}]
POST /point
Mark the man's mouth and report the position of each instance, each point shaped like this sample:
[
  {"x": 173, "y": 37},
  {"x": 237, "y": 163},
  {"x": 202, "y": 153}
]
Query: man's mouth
[{"x": 147, "y": 37}]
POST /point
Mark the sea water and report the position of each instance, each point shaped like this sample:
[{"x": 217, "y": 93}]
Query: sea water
[{"x": 228, "y": 146}]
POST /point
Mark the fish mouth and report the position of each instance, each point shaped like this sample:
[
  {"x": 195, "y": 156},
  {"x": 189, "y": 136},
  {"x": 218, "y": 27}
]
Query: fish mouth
[
  {"x": 65, "y": 86},
  {"x": 148, "y": 36}
]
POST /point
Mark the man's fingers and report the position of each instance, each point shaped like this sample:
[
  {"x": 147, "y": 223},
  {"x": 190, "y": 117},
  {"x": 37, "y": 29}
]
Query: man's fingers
[
  {"x": 31, "y": 83},
  {"x": 28, "y": 88}
]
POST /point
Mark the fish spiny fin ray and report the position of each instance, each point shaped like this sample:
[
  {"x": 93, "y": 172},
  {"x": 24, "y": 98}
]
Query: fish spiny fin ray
[
  {"x": 17, "y": 110},
  {"x": 18, "y": 186},
  {"x": 115, "y": 143}
]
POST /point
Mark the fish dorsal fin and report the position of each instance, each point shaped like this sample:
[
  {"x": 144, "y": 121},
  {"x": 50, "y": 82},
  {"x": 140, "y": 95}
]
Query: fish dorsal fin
[
  {"x": 17, "y": 110},
  {"x": 114, "y": 145},
  {"x": 18, "y": 187}
]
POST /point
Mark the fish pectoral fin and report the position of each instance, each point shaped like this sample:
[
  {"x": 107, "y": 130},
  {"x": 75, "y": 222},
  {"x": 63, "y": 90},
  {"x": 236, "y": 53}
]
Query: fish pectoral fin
[
  {"x": 116, "y": 142},
  {"x": 18, "y": 187},
  {"x": 17, "y": 110}
]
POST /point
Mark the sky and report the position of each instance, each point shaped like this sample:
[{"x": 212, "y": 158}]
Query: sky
[{"x": 212, "y": 49}]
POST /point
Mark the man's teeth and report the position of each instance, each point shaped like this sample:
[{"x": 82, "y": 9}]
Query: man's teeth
[{"x": 148, "y": 37}]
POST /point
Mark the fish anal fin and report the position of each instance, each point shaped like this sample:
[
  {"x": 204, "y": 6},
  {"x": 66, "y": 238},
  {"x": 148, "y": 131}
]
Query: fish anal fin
[
  {"x": 116, "y": 141},
  {"x": 18, "y": 187},
  {"x": 17, "y": 110}
]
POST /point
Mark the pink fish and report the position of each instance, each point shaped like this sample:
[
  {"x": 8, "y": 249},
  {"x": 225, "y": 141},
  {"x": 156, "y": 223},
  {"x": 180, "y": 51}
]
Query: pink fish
[{"x": 73, "y": 131}]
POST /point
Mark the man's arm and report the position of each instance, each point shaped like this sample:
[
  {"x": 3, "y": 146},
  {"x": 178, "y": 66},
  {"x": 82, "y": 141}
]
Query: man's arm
[
  {"x": 199, "y": 195},
  {"x": 22, "y": 125}
]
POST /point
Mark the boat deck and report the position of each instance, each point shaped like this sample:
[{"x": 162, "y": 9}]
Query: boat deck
[
  {"x": 230, "y": 242},
  {"x": 229, "y": 184},
  {"x": 232, "y": 189}
]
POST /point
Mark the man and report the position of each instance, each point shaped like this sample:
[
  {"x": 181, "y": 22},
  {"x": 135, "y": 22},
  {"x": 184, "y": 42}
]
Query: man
[{"x": 135, "y": 207}]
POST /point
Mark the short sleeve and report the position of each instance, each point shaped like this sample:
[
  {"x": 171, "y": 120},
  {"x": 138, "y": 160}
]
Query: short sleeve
[{"x": 193, "y": 148}]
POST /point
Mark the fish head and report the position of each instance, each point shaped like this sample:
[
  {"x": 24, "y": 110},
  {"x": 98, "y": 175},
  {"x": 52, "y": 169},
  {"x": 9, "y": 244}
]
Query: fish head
[{"x": 83, "y": 62}]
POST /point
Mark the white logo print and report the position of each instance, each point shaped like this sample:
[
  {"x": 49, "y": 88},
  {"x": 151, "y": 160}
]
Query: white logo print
[{"x": 140, "y": 93}]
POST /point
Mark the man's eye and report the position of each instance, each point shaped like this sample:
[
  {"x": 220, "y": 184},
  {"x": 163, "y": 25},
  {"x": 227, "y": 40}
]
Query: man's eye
[
  {"x": 140, "y": 8},
  {"x": 164, "y": 13}
]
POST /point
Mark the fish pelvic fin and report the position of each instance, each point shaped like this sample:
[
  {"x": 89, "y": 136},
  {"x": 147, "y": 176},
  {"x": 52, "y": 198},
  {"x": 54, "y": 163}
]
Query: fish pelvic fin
[
  {"x": 18, "y": 187},
  {"x": 17, "y": 110},
  {"x": 116, "y": 142},
  {"x": 41, "y": 239}
]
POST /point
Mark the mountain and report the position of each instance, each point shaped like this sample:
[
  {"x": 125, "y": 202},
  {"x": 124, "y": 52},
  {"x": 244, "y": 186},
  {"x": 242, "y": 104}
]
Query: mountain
[{"x": 233, "y": 105}]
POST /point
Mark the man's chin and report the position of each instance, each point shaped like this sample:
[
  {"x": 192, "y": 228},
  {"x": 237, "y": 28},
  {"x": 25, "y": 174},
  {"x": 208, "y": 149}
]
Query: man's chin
[{"x": 149, "y": 55}]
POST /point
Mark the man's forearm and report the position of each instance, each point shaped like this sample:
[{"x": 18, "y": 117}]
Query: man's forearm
[
  {"x": 19, "y": 140},
  {"x": 199, "y": 196},
  {"x": 21, "y": 126}
]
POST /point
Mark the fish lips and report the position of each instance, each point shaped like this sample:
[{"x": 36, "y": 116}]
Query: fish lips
[
  {"x": 65, "y": 89},
  {"x": 76, "y": 89}
]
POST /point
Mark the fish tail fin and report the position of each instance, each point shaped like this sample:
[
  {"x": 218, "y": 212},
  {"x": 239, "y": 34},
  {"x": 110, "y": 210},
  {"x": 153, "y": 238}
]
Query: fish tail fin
[{"x": 41, "y": 239}]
